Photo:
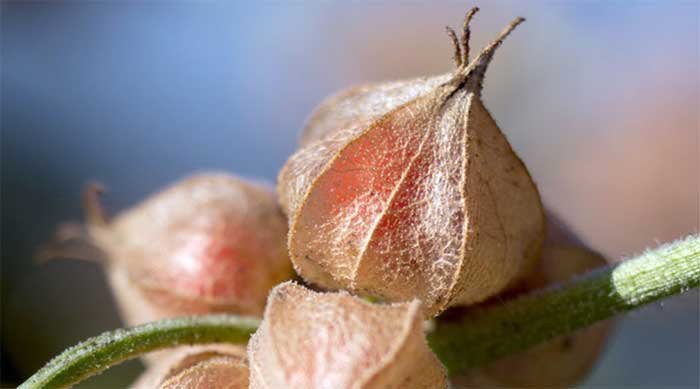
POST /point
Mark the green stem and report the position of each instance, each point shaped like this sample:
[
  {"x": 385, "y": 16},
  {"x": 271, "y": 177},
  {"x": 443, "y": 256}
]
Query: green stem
[
  {"x": 484, "y": 335},
  {"x": 479, "y": 337},
  {"x": 96, "y": 354}
]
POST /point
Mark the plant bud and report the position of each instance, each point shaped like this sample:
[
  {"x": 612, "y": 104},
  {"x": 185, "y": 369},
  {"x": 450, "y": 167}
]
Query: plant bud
[
  {"x": 333, "y": 340},
  {"x": 410, "y": 190},
  {"x": 210, "y": 243},
  {"x": 199, "y": 367},
  {"x": 565, "y": 360}
]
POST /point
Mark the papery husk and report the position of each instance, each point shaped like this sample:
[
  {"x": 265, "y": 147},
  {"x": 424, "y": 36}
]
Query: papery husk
[
  {"x": 565, "y": 360},
  {"x": 359, "y": 106},
  {"x": 312, "y": 340},
  {"x": 211, "y": 243},
  {"x": 410, "y": 190},
  {"x": 198, "y": 367}
]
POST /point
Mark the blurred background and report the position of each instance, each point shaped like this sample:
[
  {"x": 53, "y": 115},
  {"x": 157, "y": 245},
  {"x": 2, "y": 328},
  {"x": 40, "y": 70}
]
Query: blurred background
[{"x": 600, "y": 99}]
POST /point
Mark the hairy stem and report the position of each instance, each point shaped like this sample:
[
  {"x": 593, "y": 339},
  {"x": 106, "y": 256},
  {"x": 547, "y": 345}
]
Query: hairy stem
[
  {"x": 96, "y": 354},
  {"x": 484, "y": 335},
  {"x": 480, "y": 336}
]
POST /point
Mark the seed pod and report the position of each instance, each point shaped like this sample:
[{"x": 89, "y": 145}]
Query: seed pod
[
  {"x": 334, "y": 340},
  {"x": 409, "y": 189},
  {"x": 210, "y": 243},
  {"x": 205, "y": 367},
  {"x": 565, "y": 360}
]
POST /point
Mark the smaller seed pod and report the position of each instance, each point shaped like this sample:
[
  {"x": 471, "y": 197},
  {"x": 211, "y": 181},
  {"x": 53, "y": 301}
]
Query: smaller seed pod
[
  {"x": 198, "y": 367},
  {"x": 409, "y": 189},
  {"x": 565, "y": 360},
  {"x": 209, "y": 243},
  {"x": 334, "y": 340}
]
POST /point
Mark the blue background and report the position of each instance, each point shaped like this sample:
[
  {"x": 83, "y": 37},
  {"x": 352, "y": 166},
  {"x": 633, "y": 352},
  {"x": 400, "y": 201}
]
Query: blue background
[{"x": 599, "y": 98}]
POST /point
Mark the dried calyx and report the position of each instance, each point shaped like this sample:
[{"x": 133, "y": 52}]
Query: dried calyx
[
  {"x": 409, "y": 190},
  {"x": 334, "y": 340},
  {"x": 209, "y": 243},
  {"x": 205, "y": 367}
]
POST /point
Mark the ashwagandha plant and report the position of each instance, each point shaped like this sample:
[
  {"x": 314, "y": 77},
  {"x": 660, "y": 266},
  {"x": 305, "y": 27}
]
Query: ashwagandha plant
[
  {"x": 334, "y": 340},
  {"x": 420, "y": 196},
  {"x": 404, "y": 200},
  {"x": 209, "y": 243},
  {"x": 461, "y": 343}
]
